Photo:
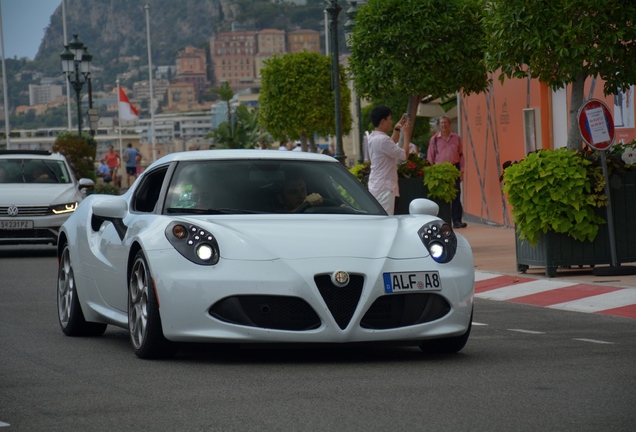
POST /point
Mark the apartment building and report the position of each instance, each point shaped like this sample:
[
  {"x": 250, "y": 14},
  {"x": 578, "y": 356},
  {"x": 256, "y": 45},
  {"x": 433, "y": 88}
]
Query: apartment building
[
  {"x": 233, "y": 56},
  {"x": 269, "y": 42},
  {"x": 303, "y": 39},
  {"x": 43, "y": 94},
  {"x": 192, "y": 68}
]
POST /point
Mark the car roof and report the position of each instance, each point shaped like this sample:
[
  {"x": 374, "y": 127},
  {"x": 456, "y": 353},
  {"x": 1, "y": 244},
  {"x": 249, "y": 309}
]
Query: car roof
[
  {"x": 243, "y": 154},
  {"x": 30, "y": 154}
]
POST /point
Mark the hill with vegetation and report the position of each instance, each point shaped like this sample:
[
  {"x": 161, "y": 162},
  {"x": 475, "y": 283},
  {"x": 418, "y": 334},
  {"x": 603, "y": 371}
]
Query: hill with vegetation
[{"x": 115, "y": 33}]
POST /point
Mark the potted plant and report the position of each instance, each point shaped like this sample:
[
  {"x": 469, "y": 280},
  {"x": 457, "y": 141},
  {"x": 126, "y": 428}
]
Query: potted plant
[{"x": 558, "y": 206}]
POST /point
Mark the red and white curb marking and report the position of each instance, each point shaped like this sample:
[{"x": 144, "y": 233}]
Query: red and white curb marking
[{"x": 565, "y": 295}]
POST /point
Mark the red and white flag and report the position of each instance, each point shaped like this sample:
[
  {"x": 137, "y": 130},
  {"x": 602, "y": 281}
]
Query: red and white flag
[{"x": 126, "y": 110}]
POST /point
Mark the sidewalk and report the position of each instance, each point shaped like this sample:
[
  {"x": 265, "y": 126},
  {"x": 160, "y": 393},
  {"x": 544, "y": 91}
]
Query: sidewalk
[{"x": 494, "y": 251}]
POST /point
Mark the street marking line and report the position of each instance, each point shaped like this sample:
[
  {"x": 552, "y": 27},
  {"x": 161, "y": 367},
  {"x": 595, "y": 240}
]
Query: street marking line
[
  {"x": 481, "y": 276},
  {"x": 598, "y": 303},
  {"x": 479, "y": 324},
  {"x": 566, "y": 294},
  {"x": 3, "y": 424},
  {"x": 498, "y": 282},
  {"x": 594, "y": 341},
  {"x": 522, "y": 289},
  {"x": 526, "y": 331}
]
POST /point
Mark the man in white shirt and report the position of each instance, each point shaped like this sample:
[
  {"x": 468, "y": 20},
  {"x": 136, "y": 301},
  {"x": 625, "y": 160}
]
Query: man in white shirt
[{"x": 384, "y": 153}]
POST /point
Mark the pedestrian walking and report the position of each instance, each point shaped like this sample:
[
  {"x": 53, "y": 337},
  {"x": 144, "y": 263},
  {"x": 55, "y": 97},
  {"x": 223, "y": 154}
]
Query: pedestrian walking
[
  {"x": 113, "y": 161},
  {"x": 131, "y": 157},
  {"x": 384, "y": 153},
  {"x": 446, "y": 146}
]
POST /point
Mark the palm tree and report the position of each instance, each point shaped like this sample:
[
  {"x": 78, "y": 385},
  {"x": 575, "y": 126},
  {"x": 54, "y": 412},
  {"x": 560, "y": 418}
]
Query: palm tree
[{"x": 226, "y": 93}]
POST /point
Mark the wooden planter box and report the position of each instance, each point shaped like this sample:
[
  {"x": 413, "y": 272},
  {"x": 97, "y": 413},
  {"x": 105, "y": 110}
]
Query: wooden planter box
[
  {"x": 559, "y": 250},
  {"x": 411, "y": 188}
]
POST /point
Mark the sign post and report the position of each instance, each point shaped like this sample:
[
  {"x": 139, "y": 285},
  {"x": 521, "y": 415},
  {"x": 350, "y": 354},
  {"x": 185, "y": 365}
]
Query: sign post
[{"x": 597, "y": 129}]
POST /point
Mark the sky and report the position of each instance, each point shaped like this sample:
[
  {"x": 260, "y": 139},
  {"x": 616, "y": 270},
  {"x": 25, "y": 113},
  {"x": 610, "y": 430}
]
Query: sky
[{"x": 23, "y": 25}]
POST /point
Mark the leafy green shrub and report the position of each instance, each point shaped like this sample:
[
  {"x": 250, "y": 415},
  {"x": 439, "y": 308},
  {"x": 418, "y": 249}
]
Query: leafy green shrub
[
  {"x": 105, "y": 189},
  {"x": 555, "y": 190},
  {"x": 440, "y": 181},
  {"x": 80, "y": 152}
]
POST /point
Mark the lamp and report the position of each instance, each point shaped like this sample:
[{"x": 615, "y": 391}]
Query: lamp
[
  {"x": 333, "y": 10},
  {"x": 76, "y": 65}
]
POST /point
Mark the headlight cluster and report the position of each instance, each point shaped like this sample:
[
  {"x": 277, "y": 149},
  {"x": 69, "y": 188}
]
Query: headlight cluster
[
  {"x": 64, "y": 208},
  {"x": 440, "y": 240},
  {"x": 194, "y": 243}
]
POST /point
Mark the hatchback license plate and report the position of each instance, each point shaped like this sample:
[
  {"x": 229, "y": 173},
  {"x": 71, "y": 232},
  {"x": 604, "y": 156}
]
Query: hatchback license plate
[
  {"x": 413, "y": 281},
  {"x": 16, "y": 224}
]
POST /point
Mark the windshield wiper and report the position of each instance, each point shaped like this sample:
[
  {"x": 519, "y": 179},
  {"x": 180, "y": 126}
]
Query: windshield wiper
[{"x": 209, "y": 211}]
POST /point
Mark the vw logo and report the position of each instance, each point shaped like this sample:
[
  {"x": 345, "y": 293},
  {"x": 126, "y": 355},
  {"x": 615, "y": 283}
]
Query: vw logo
[
  {"x": 340, "y": 278},
  {"x": 12, "y": 210}
]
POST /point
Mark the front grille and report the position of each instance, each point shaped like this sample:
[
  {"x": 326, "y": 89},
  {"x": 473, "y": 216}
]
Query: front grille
[
  {"x": 265, "y": 311},
  {"x": 31, "y": 236},
  {"x": 27, "y": 211},
  {"x": 341, "y": 301},
  {"x": 401, "y": 310}
]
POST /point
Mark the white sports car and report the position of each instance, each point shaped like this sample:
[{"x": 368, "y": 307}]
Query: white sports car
[{"x": 248, "y": 246}]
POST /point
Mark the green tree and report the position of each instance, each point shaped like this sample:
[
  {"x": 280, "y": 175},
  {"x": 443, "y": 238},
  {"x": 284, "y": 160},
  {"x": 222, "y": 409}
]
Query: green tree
[
  {"x": 80, "y": 152},
  {"x": 564, "y": 42},
  {"x": 245, "y": 132},
  {"x": 418, "y": 48},
  {"x": 297, "y": 101}
]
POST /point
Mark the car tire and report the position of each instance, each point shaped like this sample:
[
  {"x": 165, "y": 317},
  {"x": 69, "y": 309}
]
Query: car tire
[
  {"x": 144, "y": 321},
  {"x": 449, "y": 345},
  {"x": 69, "y": 311}
]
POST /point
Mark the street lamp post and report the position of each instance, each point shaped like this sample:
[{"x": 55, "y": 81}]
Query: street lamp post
[
  {"x": 348, "y": 28},
  {"x": 333, "y": 10},
  {"x": 76, "y": 64}
]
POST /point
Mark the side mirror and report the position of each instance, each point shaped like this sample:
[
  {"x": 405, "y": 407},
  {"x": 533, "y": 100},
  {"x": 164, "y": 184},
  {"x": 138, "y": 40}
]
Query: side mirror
[
  {"x": 86, "y": 183},
  {"x": 112, "y": 209},
  {"x": 420, "y": 206}
]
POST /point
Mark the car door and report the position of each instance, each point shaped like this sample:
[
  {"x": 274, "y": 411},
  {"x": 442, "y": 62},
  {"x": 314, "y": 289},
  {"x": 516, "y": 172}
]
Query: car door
[{"x": 113, "y": 251}]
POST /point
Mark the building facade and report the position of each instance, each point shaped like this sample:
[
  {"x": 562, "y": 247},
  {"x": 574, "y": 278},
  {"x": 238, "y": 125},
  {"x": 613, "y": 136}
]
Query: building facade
[
  {"x": 233, "y": 56},
  {"x": 303, "y": 40}
]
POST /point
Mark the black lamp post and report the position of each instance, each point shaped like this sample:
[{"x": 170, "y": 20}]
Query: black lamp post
[
  {"x": 76, "y": 64},
  {"x": 348, "y": 28},
  {"x": 333, "y": 10}
]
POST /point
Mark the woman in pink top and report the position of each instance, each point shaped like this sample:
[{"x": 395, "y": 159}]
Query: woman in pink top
[{"x": 113, "y": 162}]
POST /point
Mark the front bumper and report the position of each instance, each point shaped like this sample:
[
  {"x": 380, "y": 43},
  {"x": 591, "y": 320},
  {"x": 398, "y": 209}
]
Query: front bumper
[
  {"x": 200, "y": 304},
  {"x": 45, "y": 230}
]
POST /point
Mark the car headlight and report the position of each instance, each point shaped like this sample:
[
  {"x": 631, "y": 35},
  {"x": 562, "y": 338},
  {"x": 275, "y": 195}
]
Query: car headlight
[
  {"x": 440, "y": 240},
  {"x": 64, "y": 208},
  {"x": 194, "y": 243}
]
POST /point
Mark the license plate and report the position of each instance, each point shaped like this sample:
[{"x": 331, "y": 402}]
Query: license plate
[
  {"x": 16, "y": 224},
  {"x": 413, "y": 281}
]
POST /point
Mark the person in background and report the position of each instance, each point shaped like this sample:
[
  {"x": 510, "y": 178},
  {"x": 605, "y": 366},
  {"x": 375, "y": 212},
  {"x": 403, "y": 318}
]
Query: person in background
[
  {"x": 446, "y": 146},
  {"x": 113, "y": 161},
  {"x": 103, "y": 171},
  {"x": 132, "y": 157},
  {"x": 384, "y": 153},
  {"x": 283, "y": 146},
  {"x": 262, "y": 145}
]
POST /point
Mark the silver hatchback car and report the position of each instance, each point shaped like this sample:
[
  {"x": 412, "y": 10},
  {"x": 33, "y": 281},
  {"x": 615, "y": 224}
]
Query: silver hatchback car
[{"x": 38, "y": 192}]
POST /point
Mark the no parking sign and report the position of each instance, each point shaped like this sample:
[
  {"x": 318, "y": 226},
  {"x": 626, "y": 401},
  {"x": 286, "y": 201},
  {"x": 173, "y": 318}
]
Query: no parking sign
[{"x": 596, "y": 124}]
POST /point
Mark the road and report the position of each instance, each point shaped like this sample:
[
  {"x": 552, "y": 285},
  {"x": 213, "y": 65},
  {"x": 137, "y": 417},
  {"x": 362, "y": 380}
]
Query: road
[{"x": 525, "y": 368}]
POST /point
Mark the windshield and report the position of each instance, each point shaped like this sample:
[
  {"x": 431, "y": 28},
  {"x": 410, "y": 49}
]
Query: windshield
[
  {"x": 266, "y": 186},
  {"x": 33, "y": 171}
]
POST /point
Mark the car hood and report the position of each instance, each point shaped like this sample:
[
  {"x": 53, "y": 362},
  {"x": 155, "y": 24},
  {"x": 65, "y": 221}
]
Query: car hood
[
  {"x": 315, "y": 236},
  {"x": 38, "y": 194}
]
